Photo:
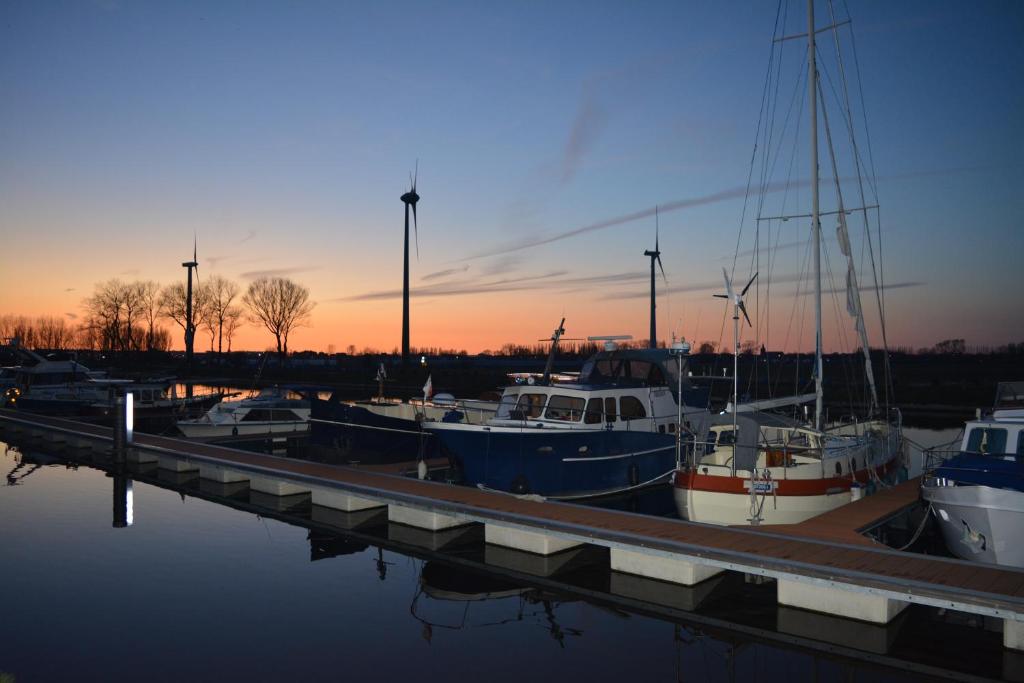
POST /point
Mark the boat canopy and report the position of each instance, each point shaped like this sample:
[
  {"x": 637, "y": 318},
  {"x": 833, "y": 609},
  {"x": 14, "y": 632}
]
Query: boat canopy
[{"x": 633, "y": 367}]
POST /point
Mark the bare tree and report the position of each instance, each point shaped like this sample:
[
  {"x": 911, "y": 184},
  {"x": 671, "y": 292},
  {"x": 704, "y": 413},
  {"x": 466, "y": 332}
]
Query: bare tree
[
  {"x": 232, "y": 321},
  {"x": 280, "y": 305},
  {"x": 113, "y": 309},
  {"x": 148, "y": 293},
  {"x": 173, "y": 302},
  {"x": 221, "y": 294}
]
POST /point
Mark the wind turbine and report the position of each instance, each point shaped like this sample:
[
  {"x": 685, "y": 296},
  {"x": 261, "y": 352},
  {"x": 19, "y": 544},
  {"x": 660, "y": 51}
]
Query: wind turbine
[
  {"x": 655, "y": 256},
  {"x": 190, "y": 328},
  {"x": 409, "y": 199},
  {"x": 737, "y": 308}
]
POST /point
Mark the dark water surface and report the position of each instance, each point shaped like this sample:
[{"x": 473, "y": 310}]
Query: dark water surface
[{"x": 206, "y": 585}]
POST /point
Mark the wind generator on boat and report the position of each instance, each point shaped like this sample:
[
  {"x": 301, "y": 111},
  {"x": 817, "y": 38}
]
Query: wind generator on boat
[{"x": 752, "y": 466}]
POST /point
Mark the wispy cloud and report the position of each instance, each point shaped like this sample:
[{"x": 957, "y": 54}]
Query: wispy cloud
[
  {"x": 718, "y": 285},
  {"x": 130, "y": 271},
  {"x": 585, "y": 129},
  {"x": 502, "y": 265},
  {"x": 552, "y": 281},
  {"x": 444, "y": 273},
  {"x": 276, "y": 272},
  {"x": 70, "y": 289},
  {"x": 248, "y": 236},
  {"x": 667, "y": 207},
  {"x": 73, "y": 316}
]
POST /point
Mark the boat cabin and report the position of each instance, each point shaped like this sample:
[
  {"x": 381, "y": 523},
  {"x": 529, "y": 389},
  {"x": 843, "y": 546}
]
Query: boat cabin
[{"x": 627, "y": 389}]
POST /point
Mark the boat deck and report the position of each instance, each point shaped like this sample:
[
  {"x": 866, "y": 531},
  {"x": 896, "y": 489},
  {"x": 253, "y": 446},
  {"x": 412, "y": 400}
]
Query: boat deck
[{"x": 824, "y": 552}]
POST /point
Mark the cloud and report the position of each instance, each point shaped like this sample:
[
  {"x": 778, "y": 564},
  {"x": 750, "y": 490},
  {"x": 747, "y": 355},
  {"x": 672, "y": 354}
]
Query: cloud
[
  {"x": 717, "y": 285},
  {"x": 276, "y": 272},
  {"x": 548, "y": 281},
  {"x": 248, "y": 236},
  {"x": 667, "y": 207},
  {"x": 73, "y": 316},
  {"x": 504, "y": 264},
  {"x": 130, "y": 271},
  {"x": 586, "y": 127},
  {"x": 70, "y": 289},
  {"x": 444, "y": 273}
]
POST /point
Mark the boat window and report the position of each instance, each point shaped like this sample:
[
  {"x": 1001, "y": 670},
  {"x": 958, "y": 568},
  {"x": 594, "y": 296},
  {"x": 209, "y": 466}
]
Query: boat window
[
  {"x": 986, "y": 440},
  {"x": 726, "y": 437},
  {"x": 531, "y": 405},
  {"x": 672, "y": 370},
  {"x": 631, "y": 408},
  {"x": 609, "y": 409},
  {"x": 257, "y": 415},
  {"x": 594, "y": 411},
  {"x": 569, "y": 408},
  {"x": 505, "y": 406}
]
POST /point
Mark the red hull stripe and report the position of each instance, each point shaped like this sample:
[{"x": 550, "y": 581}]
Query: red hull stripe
[{"x": 785, "y": 487}]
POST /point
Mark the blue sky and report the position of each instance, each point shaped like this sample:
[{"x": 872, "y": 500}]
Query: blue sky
[{"x": 282, "y": 133}]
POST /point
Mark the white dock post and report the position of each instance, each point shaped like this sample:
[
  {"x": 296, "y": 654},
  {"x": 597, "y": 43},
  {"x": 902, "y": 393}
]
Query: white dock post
[
  {"x": 673, "y": 570},
  {"x": 423, "y": 519},
  {"x": 838, "y": 601},
  {"x": 1013, "y": 634},
  {"x": 534, "y": 542}
]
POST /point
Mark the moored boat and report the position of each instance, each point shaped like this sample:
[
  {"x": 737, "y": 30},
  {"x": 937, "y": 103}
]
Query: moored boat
[
  {"x": 617, "y": 428},
  {"x": 277, "y": 410},
  {"x": 752, "y": 465},
  {"x": 977, "y": 496}
]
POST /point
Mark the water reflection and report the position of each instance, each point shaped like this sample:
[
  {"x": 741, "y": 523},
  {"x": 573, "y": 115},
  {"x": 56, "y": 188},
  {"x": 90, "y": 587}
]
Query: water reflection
[{"x": 241, "y": 587}]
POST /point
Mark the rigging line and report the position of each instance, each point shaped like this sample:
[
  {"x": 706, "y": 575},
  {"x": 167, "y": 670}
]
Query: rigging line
[
  {"x": 841, "y": 329},
  {"x": 863, "y": 102},
  {"x": 876, "y": 273},
  {"x": 757, "y": 137}
]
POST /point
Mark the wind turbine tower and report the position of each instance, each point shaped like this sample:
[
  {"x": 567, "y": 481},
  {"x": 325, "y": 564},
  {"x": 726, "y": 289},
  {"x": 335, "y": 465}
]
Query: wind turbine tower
[
  {"x": 409, "y": 199},
  {"x": 190, "y": 327},
  {"x": 655, "y": 256}
]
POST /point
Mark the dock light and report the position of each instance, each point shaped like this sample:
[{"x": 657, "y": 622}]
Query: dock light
[
  {"x": 129, "y": 415},
  {"x": 423, "y": 361}
]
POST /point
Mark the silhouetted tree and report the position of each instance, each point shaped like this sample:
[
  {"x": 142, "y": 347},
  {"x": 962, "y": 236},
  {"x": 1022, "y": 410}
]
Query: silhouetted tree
[{"x": 280, "y": 305}]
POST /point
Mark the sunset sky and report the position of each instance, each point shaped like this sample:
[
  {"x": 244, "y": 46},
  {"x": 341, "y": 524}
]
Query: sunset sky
[{"x": 283, "y": 133}]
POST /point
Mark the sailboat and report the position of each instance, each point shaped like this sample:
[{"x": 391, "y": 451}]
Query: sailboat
[{"x": 756, "y": 464}]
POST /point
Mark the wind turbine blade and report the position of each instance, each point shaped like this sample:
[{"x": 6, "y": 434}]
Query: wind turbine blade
[
  {"x": 656, "y": 228},
  {"x": 416, "y": 175},
  {"x": 744, "y": 309},
  {"x": 720, "y": 296},
  {"x": 728, "y": 284},
  {"x": 744, "y": 292},
  {"x": 416, "y": 229},
  {"x": 664, "y": 277}
]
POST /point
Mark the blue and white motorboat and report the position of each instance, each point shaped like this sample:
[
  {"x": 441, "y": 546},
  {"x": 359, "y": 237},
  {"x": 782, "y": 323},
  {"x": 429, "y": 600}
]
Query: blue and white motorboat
[
  {"x": 613, "y": 430},
  {"x": 977, "y": 496}
]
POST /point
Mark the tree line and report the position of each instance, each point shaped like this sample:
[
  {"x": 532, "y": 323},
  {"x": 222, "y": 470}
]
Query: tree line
[{"x": 124, "y": 316}]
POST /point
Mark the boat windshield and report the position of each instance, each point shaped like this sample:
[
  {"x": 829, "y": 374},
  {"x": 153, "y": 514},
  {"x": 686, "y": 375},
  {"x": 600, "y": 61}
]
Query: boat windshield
[
  {"x": 531, "y": 405},
  {"x": 630, "y": 371},
  {"x": 986, "y": 440},
  {"x": 567, "y": 408},
  {"x": 505, "y": 405}
]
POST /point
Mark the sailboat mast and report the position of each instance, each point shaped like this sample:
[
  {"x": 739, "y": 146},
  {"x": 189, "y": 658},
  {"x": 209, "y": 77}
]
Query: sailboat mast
[{"x": 812, "y": 81}]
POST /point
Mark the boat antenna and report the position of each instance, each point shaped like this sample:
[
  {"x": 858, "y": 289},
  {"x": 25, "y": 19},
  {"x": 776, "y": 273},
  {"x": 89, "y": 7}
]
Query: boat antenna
[{"x": 555, "y": 336}]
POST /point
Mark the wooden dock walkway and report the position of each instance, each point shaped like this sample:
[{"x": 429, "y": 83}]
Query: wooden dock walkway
[{"x": 824, "y": 554}]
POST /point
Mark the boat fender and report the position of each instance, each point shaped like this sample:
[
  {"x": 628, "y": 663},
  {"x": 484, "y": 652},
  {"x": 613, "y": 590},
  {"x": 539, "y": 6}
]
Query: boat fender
[
  {"x": 520, "y": 485},
  {"x": 856, "y": 491}
]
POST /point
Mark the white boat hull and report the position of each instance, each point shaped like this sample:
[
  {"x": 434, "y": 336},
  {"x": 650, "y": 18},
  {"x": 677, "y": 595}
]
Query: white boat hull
[
  {"x": 731, "y": 509},
  {"x": 980, "y": 523},
  {"x": 201, "y": 430}
]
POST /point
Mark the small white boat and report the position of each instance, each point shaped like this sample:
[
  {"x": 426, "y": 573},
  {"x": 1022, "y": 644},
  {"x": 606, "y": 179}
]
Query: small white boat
[
  {"x": 272, "y": 411},
  {"x": 977, "y": 496}
]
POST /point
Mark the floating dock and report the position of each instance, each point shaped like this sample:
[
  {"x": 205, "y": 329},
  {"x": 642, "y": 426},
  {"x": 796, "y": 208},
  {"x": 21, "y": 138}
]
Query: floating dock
[{"x": 823, "y": 565}]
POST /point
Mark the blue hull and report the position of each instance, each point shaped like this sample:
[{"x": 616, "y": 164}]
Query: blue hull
[
  {"x": 559, "y": 462},
  {"x": 354, "y": 434}
]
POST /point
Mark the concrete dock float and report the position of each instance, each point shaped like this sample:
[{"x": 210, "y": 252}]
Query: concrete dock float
[{"x": 835, "y": 573}]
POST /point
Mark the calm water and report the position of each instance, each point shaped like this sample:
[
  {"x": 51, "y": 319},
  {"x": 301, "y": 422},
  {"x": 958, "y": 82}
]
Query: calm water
[{"x": 200, "y": 589}]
